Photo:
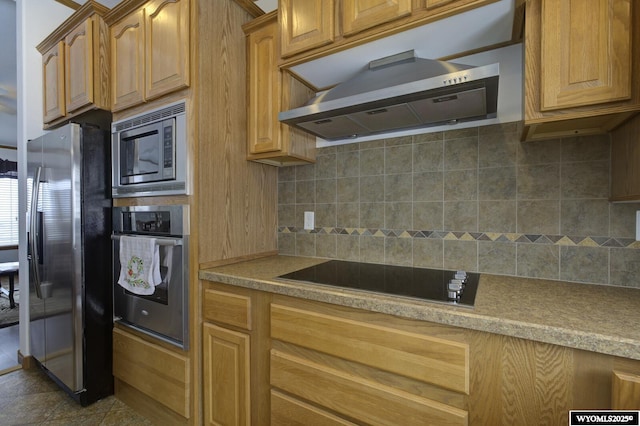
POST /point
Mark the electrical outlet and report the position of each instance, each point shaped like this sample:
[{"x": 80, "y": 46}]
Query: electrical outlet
[{"x": 309, "y": 221}]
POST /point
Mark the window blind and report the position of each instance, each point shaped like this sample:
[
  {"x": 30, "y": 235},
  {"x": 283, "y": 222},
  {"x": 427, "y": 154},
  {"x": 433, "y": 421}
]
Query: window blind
[{"x": 8, "y": 212}]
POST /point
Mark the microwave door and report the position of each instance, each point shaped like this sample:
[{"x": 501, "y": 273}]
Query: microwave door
[{"x": 140, "y": 158}]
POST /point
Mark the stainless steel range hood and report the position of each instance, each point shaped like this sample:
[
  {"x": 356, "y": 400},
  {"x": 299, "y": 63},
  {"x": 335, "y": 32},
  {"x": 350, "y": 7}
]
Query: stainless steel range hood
[{"x": 400, "y": 92}]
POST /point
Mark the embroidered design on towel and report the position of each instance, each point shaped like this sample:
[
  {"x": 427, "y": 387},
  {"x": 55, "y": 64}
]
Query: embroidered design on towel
[
  {"x": 134, "y": 278},
  {"x": 139, "y": 264}
]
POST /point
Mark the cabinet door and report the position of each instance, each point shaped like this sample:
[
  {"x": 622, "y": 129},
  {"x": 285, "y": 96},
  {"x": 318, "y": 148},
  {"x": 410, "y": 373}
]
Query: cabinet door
[
  {"x": 359, "y": 15},
  {"x": 264, "y": 91},
  {"x": 305, "y": 24},
  {"x": 166, "y": 46},
  {"x": 53, "y": 83},
  {"x": 127, "y": 61},
  {"x": 78, "y": 68},
  {"x": 226, "y": 376},
  {"x": 586, "y": 52},
  {"x": 625, "y": 394},
  {"x": 270, "y": 91}
]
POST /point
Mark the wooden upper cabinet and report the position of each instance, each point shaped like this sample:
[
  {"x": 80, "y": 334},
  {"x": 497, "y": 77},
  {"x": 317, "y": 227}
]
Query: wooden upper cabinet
[
  {"x": 264, "y": 91},
  {"x": 75, "y": 59},
  {"x": 166, "y": 46},
  {"x": 434, "y": 4},
  {"x": 580, "y": 56},
  {"x": 127, "y": 61},
  {"x": 53, "y": 83},
  {"x": 78, "y": 55},
  {"x": 149, "y": 51},
  {"x": 586, "y": 52},
  {"x": 625, "y": 161},
  {"x": 359, "y": 15},
  {"x": 270, "y": 91},
  {"x": 313, "y": 28},
  {"x": 305, "y": 24}
]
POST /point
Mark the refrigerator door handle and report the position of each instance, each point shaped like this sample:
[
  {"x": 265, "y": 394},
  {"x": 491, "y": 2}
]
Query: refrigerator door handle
[{"x": 33, "y": 225}]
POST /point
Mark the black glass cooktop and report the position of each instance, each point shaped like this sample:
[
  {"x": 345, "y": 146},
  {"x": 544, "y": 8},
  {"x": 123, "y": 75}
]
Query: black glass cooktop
[{"x": 435, "y": 285}]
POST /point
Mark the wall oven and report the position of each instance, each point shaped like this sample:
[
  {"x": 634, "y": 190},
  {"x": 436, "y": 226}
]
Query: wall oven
[
  {"x": 149, "y": 153},
  {"x": 165, "y": 313}
]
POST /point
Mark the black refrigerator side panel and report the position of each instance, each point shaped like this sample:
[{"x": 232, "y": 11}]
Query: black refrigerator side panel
[{"x": 96, "y": 236}]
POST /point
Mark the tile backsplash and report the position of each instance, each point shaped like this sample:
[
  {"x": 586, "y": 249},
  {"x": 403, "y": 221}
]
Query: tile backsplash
[{"x": 476, "y": 199}]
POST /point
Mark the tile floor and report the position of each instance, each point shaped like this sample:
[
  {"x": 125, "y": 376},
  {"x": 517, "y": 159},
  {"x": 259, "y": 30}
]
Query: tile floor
[
  {"x": 9, "y": 344},
  {"x": 29, "y": 397}
]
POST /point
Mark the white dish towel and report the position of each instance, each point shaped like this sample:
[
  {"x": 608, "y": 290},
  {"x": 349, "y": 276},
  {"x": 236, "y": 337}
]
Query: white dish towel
[{"x": 139, "y": 264}]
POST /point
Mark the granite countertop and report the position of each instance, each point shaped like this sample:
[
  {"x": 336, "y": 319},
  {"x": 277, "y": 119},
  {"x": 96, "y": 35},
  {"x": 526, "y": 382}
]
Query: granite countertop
[{"x": 595, "y": 318}]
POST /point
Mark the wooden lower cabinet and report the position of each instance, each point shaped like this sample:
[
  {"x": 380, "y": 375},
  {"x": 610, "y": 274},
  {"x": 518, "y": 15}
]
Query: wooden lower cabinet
[
  {"x": 235, "y": 355},
  {"x": 226, "y": 376},
  {"x": 314, "y": 363},
  {"x": 356, "y": 397},
  {"x": 286, "y": 410},
  {"x": 151, "y": 378},
  {"x": 626, "y": 391},
  {"x": 367, "y": 368}
]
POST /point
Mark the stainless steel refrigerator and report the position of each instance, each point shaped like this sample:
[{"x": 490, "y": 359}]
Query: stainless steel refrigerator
[{"x": 70, "y": 297}]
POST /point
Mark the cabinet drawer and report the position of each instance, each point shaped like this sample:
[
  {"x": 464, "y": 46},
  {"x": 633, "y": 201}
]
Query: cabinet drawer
[
  {"x": 155, "y": 371},
  {"x": 430, "y": 359},
  {"x": 358, "y": 398},
  {"x": 227, "y": 308},
  {"x": 286, "y": 410}
]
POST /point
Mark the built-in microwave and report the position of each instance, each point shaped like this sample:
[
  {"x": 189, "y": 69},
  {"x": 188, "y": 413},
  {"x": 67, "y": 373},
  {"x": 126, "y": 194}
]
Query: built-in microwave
[{"x": 149, "y": 153}]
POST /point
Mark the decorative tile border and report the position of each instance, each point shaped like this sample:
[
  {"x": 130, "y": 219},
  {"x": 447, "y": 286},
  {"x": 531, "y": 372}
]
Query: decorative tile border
[{"x": 559, "y": 240}]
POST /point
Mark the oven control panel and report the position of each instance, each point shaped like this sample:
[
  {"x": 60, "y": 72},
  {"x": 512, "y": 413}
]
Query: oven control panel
[
  {"x": 158, "y": 222},
  {"x": 161, "y": 221}
]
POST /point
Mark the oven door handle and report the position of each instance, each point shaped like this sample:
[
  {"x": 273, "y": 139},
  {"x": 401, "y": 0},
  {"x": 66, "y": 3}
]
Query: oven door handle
[{"x": 159, "y": 241}]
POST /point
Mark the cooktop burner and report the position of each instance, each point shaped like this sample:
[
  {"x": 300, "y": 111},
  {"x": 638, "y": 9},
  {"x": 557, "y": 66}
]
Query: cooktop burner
[{"x": 435, "y": 285}]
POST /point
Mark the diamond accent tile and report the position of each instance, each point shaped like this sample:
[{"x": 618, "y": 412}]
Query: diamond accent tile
[
  {"x": 612, "y": 242},
  {"x": 565, "y": 241},
  {"x": 560, "y": 240},
  {"x": 588, "y": 242},
  {"x": 493, "y": 236}
]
